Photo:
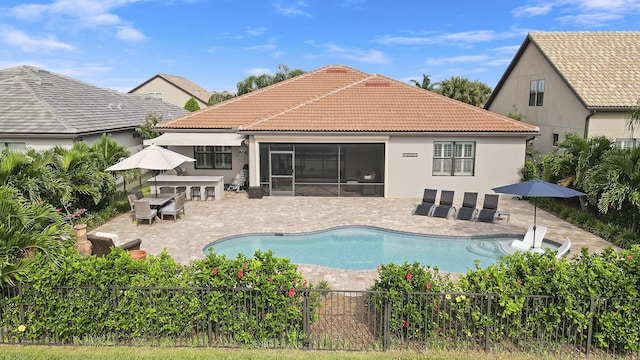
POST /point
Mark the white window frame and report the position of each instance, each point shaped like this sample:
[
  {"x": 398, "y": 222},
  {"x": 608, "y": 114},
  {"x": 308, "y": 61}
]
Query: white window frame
[
  {"x": 454, "y": 158},
  {"x": 213, "y": 157}
]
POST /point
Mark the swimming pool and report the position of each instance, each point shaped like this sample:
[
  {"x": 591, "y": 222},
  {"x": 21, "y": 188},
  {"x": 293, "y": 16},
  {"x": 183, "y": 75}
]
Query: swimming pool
[{"x": 363, "y": 248}]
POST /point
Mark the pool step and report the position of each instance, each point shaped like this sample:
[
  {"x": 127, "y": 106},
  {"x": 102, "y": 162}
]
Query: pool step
[{"x": 486, "y": 248}]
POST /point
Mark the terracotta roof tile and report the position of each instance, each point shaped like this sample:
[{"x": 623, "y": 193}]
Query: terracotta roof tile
[{"x": 341, "y": 99}]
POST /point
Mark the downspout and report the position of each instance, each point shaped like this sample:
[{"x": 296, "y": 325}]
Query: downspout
[{"x": 586, "y": 123}]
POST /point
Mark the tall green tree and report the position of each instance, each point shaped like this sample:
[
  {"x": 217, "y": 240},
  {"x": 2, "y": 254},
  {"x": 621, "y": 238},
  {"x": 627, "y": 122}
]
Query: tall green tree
[
  {"x": 425, "y": 83},
  {"x": 26, "y": 228},
  {"x": 460, "y": 88},
  {"x": 147, "y": 129},
  {"x": 255, "y": 82},
  {"x": 191, "y": 105},
  {"x": 615, "y": 183},
  {"x": 217, "y": 97}
]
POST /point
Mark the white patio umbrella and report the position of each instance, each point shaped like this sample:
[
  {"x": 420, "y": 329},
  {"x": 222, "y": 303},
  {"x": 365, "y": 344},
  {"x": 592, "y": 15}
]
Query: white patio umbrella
[{"x": 153, "y": 157}]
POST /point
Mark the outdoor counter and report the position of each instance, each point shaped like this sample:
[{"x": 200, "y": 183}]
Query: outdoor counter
[{"x": 189, "y": 181}]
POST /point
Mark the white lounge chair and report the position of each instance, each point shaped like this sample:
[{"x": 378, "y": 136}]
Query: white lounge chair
[
  {"x": 563, "y": 249},
  {"x": 529, "y": 241}
]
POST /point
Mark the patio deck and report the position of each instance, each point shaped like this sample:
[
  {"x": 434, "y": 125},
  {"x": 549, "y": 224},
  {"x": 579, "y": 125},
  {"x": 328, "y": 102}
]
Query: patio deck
[{"x": 207, "y": 221}]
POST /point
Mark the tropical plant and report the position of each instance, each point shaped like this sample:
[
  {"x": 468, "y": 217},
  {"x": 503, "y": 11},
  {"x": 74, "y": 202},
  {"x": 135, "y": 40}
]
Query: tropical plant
[
  {"x": 147, "y": 130},
  {"x": 191, "y": 105},
  {"x": 27, "y": 228},
  {"x": 614, "y": 183},
  {"x": 425, "y": 83},
  {"x": 255, "y": 82},
  {"x": 217, "y": 97},
  {"x": 460, "y": 88},
  {"x": 633, "y": 119},
  {"x": 108, "y": 151}
]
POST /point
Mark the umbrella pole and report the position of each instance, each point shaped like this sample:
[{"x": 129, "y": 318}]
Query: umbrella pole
[
  {"x": 535, "y": 207},
  {"x": 155, "y": 183}
]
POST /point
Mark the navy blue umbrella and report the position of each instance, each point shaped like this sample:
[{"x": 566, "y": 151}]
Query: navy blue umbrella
[{"x": 537, "y": 188}]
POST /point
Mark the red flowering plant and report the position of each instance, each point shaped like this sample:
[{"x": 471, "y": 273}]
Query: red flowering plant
[
  {"x": 270, "y": 282},
  {"x": 405, "y": 288}
]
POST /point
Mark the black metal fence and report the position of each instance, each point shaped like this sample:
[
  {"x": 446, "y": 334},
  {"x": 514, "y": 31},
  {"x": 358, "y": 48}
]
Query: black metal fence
[{"x": 320, "y": 320}]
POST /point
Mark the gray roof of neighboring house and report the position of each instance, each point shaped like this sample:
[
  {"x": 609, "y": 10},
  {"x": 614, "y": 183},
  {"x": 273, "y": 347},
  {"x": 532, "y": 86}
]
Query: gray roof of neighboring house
[
  {"x": 602, "y": 68},
  {"x": 182, "y": 83},
  {"x": 36, "y": 102}
]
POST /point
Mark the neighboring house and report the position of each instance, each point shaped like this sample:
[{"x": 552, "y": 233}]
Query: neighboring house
[
  {"x": 573, "y": 82},
  {"x": 337, "y": 131},
  {"x": 176, "y": 90},
  {"x": 40, "y": 109}
]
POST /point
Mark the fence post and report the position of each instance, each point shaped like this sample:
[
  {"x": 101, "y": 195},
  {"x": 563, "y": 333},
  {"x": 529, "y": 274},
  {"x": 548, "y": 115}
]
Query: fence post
[
  {"x": 590, "y": 331},
  {"x": 305, "y": 320},
  {"x": 21, "y": 303},
  {"x": 386, "y": 324},
  {"x": 209, "y": 326},
  {"x": 487, "y": 330},
  {"x": 115, "y": 309}
]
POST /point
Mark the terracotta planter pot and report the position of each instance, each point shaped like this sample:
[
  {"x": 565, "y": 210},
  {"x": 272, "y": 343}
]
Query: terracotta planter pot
[
  {"x": 83, "y": 245},
  {"x": 138, "y": 254}
]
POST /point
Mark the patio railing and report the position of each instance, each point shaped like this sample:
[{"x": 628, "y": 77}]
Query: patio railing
[{"x": 316, "y": 319}]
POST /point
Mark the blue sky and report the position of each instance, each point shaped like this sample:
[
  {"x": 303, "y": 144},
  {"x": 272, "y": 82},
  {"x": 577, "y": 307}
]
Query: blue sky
[{"x": 118, "y": 44}]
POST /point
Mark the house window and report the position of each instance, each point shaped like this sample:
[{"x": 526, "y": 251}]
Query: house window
[
  {"x": 157, "y": 95},
  {"x": 536, "y": 93},
  {"x": 453, "y": 158},
  {"x": 556, "y": 137},
  {"x": 627, "y": 143},
  {"x": 212, "y": 157},
  {"x": 15, "y": 145}
]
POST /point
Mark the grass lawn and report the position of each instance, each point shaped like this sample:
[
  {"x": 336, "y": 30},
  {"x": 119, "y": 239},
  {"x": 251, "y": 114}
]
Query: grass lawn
[{"x": 98, "y": 352}]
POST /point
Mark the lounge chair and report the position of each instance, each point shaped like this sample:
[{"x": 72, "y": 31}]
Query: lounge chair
[
  {"x": 445, "y": 207},
  {"x": 174, "y": 208},
  {"x": 530, "y": 240},
  {"x": 489, "y": 211},
  {"x": 563, "y": 249},
  {"x": 428, "y": 202},
  {"x": 468, "y": 209},
  {"x": 144, "y": 211},
  {"x": 102, "y": 245},
  {"x": 132, "y": 199}
]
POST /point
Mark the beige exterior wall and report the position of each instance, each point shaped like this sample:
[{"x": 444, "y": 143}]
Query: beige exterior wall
[
  {"x": 561, "y": 113},
  {"x": 498, "y": 162},
  {"x": 123, "y": 138},
  {"x": 612, "y": 125},
  {"x": 170, "y": 93}
]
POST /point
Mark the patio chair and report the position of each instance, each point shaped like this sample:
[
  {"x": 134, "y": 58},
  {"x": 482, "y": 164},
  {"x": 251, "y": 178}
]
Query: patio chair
[
  {"x": 195, "y": 192},
  {"x": 132, "y": 198},
  {"x": 174, "y": 208},
  {"x": 181, "y": 189},
  {"x": 210, "y": 193},
  {"x": 101, "y": 246},
  {"x": 468, "y": 208},
  {"x": 237, "y": 183},
  {"x": 489, "y": 211},
  {"x": 563, "y": 249},
  {"x": 428, "y": 202},
  {"x": 445, "y": 207},
  {"x": 138, "y": 194},
  {"x": 143, "y": 211},
  {"x": 529, "y": 241}
]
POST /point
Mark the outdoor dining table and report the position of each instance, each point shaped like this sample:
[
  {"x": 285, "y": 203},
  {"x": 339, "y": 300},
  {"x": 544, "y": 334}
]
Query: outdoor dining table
[{"x": 160, "y": 200}]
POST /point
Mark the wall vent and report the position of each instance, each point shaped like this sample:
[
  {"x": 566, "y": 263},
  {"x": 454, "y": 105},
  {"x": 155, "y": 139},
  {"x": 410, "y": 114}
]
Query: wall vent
[{"x": 377, "y": 83}]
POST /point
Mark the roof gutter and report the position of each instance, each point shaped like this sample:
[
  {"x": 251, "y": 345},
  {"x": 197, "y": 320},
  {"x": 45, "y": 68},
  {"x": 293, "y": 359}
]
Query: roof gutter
[{"x": 586, "y": 123}]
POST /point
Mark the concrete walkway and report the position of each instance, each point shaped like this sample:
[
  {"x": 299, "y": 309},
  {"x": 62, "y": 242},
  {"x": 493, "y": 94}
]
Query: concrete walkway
[{"x": 207, "y": 221}]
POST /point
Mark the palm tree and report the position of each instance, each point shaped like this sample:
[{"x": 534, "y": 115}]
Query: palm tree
[
  {"x": 460, "y": 88},
  {"x": 615, "y": 182},
  {"x": 633, "y": 119},
  {"x": 425, "y": 83},
  {"x": 25, "y": 228}
]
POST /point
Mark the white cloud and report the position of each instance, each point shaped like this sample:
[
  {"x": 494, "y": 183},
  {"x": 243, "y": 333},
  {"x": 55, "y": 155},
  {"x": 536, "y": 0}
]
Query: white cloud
[
  {"x": 354, "y": 54},
  {"x": 130, "y": 34},
  {"x": 68, "y": 14},
  {"x": 465, "y": 37},
  {"x": 583, "y": 13},
  {"x": 536, "y": 10},
  {"x": 27, "y": 43},
  {"x": 255, "y": 32},
  {"x": 294, "y": 9},
  {"x": 258, "y": 71},
  {"x": 458, "y": 59}
]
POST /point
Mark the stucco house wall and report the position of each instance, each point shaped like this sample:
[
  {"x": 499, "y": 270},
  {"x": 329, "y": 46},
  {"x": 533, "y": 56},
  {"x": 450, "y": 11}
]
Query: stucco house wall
[{"x": 498, "y": 162}]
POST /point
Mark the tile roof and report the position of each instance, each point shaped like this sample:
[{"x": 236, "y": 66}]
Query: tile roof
[
  {"x": 337, "y": 98},
  {"x": 603, "y": 68},
  {"x": 36, "y": 101},
  {"x": 182, "y": 83}
]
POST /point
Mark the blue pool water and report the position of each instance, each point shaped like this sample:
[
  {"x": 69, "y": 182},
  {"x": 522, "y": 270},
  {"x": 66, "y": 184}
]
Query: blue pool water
[{"x": 363, "y": 248}]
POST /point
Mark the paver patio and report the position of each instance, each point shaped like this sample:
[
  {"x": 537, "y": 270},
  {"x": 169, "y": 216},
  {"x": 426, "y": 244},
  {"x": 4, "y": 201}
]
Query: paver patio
[{"x": 207, "y": 221}]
